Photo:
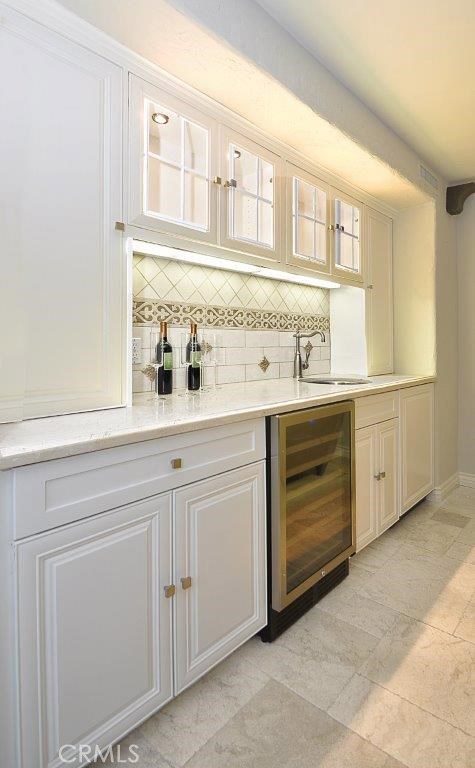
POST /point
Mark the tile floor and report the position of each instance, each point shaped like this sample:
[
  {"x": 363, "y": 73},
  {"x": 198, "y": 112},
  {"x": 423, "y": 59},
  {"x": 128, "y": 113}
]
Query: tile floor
[{"x": 378, "y": 675}]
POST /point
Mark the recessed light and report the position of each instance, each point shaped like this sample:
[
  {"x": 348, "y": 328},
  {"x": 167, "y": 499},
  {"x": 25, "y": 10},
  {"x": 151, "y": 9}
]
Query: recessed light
[{"x": 160, "y": 117}]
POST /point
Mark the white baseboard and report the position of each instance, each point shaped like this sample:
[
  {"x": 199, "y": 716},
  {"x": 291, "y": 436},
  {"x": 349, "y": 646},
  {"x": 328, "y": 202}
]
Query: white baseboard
[
  {"x": 441, "y": 492},
  {"x": 468, "y": 480}
]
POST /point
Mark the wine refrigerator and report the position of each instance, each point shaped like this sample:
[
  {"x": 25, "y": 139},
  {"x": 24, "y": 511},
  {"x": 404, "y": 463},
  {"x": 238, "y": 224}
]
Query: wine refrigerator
[{"x": 311, "y": 508}]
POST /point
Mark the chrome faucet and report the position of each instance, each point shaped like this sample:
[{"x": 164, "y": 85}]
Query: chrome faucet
[{"x": 299, "y": 365}]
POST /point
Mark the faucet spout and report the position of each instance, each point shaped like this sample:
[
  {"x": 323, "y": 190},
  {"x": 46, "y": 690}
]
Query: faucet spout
[{"x": 299, "y": 364}]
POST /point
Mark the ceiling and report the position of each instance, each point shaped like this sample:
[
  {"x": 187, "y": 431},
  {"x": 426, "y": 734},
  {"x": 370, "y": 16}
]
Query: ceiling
[
  {"x": 412, "y": 62},
  {"x": 173, "y": 41}
]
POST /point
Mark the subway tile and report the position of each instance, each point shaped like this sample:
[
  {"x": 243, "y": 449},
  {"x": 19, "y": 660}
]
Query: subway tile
[
  {"x": 318, "y": 366},
  {"x": 262, "y": 339},
  {"x": 286, "y": 339},
  {"x": 140, "y": 382},
  {"x": 217, "y": 356},
  {"x": 231, "y": 338},
  {"x": 227, "y": 374},
  {"x": 244, "y": 355},
  {"x": 142, "y": 332},
  {"x": 179, "y": 378},
  {"x": 286, "y": 370},
  {"x": 255, "y": 373},
  {"x": 279, "y": 354},
  {"x": 315, "y": 354}
]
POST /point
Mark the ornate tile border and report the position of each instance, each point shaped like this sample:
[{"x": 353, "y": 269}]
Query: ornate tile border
[{"x": 151, "y": 312}]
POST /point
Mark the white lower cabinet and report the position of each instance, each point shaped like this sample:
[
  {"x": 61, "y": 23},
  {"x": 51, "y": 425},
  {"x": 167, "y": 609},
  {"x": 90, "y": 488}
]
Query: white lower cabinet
[
  {"x": 94, "y": 629},
  {"x": 377, "y": 480},
  {"x": 122, "y": 610},
  {"x": 417, "y": 443},
  {"x": 220, "y": 568}
]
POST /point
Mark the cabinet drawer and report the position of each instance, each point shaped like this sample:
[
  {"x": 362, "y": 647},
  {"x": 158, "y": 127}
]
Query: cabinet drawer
[
  {"x": 57, "y": 492},
  {"x": 375, "y": 408}
]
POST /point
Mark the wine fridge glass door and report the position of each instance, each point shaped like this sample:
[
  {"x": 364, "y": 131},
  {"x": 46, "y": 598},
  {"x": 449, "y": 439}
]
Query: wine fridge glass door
[{"x": 315, "y": 497}]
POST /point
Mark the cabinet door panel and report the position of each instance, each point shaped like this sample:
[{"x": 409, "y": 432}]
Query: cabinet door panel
[
  {"x": 94, "y": 629},
  {"x": 60, "y": 196},
  {"x": 379, "y": 295},
  {"x": 220, "y": 545},
  {"x": 417, "y": 443},
  {"x": 173, "y": 150},
  {"x": 366, "y": 486},
  {"x": 347, "y": 238},
  {"x": 307, "y": 214},
  {"x": 250, "y": 197},
  {"x": 388, "y": 439}
]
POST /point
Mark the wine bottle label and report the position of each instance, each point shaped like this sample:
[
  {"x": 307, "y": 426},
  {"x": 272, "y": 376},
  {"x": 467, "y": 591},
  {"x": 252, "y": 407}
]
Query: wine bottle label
[
  {"x": 168, "y": 361},
  {"x": 195, "y": 359}
]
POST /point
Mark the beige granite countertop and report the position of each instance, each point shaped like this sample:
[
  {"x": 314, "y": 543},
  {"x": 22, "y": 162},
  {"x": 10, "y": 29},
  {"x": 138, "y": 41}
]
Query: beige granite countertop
[{"x": 29, "y": 442}]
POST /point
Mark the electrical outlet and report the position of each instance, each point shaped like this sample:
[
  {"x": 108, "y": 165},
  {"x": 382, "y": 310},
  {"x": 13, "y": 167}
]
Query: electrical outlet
[{"x": 136, "y": 350}]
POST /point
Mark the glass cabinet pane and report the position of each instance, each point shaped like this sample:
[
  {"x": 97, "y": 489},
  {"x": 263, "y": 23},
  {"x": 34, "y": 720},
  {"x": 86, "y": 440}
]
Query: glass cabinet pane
[
  {"x": 245, "y": 170},
  {"x": 305, "y": 237},
  {"x": 305, "y": 198},
  {"x": 251, "y": 198},
  {"x": 309, "y": 217},
  {"x": 196, "y": 148},
  {"x": 266, "y": 173},
  {"x": 164, "y": 137},
  {"x": 176, "y": 185},
  {"x": 164, "y": 188},
  {"x": 245, "y": 216},
  {"x": 317, "y": 494},
  {"x": 347, "y": 236}
]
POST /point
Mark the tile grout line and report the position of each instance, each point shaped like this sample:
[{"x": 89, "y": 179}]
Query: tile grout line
[{"x": 412, "y": 703}]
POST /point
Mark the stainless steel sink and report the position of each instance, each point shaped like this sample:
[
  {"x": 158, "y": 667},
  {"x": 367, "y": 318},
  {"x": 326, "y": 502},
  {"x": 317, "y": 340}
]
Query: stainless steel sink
[{"x": 348, "y": 380}]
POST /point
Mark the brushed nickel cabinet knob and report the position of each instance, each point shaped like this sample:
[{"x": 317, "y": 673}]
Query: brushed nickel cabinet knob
[
  {"x": 169, "y": 590},
  {"x": 176, "y": 463},
  {"x": 186, "y": 582}
]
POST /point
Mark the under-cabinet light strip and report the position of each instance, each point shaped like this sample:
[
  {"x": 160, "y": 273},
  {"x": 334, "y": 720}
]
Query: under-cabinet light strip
[{"x": 190, "y": 257}]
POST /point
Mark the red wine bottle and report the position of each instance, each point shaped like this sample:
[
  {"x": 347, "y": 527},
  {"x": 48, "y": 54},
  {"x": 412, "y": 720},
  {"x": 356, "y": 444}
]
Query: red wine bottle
[
  {"x": 193, "y": 358},
  {"x": 165, "y": 362}
]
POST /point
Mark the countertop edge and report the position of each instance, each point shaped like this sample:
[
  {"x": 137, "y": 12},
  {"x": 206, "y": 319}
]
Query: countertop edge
[{"x": 142, "y": 434}]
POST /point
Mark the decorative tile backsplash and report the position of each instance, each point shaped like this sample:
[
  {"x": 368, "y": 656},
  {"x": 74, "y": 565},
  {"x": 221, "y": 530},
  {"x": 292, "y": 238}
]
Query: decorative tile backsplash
[
  {"x": 249, "y": 321},
  {"x": 174, "y": 281}
]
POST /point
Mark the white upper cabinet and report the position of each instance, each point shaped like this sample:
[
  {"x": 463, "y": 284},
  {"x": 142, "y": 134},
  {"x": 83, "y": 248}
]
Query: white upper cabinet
[
  {"x": 307, "y": 214},
  {"x": 346, "y": 227},
  {"x": 60, "y": 197},
  {"x": 250, "y": 197},
  {"x": 172, "y": 150},
  {"x": 379, "y": 292}
]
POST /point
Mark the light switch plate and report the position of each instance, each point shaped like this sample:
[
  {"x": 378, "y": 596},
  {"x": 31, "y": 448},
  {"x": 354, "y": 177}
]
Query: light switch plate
[{"x": 136, "y": 350}]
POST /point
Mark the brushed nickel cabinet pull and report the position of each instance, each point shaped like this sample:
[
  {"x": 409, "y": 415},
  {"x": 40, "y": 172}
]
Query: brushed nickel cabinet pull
[
  {"x": 176, "y": 463},
  {"x": 120, "y": 226},
  {"x": 169, "y": 590},
  {"x": 217, "y": 180},
  {"x": 378, "y": 476},
  {"x": 186, "y": 582},
  {"x": 230, "y": 183},
  {"x": 382, "y": 475}
]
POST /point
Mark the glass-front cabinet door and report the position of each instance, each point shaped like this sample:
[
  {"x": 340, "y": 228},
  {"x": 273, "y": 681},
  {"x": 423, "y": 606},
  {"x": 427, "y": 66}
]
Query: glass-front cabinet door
[
  {"x": 172, "y": 187},
  {"x": 307, "y": 206},
  {"x": 346, "y": 227},
  {"x": 251, "y": 196},
  {"x": 313, "y": 497}
]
